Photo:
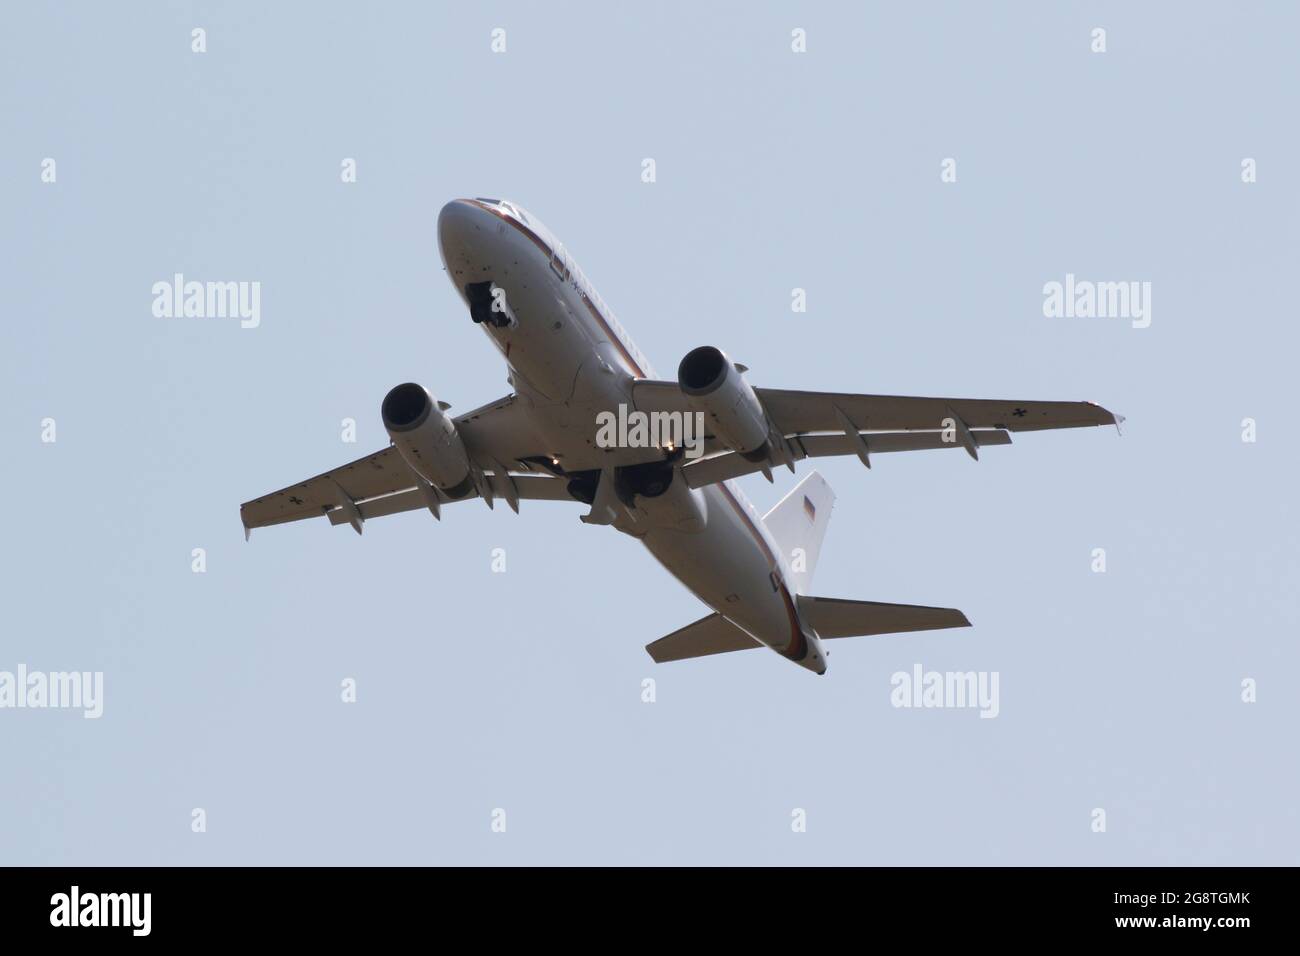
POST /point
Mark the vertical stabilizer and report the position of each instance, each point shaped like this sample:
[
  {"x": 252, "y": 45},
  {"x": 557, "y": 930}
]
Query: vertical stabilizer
[{"x": 798, "y": 523}]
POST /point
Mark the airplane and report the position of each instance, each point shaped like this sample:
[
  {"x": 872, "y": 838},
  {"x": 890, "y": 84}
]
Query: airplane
[{"x": 569, "y": 362}]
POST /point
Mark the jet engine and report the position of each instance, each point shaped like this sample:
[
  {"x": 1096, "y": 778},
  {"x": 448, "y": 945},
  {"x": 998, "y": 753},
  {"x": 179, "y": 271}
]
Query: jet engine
[
  {"x": 427, "y": 439},
  {"x": 716, "y": 387}
]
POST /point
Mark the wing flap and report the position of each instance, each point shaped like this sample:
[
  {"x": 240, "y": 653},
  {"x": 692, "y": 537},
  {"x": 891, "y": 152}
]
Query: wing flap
[
  {"x": 379, "y": 484},
  {"x": 715, "y": 468},
  {"x": 528, "y": 487}
]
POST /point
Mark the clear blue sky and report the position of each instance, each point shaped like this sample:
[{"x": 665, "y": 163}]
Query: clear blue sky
[{"x": 775, "y": 170}]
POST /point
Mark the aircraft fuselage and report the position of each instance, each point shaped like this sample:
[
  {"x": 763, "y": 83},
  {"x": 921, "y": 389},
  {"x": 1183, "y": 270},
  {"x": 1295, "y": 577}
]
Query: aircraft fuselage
[{"x": 571, "y": 360}]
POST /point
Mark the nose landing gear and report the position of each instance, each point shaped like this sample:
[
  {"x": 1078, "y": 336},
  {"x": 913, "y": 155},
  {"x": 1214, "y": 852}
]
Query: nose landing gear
[{"x": 487, "y": 303}]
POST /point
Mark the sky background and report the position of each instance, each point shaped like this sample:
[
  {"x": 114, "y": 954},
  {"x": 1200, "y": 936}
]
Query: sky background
[{"x": 775, "y": 170}]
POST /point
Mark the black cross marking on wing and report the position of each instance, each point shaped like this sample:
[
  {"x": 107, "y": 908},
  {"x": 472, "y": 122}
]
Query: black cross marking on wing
[
  {"x": 1019, "y": 413},
  {"x": 295, "y": 499}
]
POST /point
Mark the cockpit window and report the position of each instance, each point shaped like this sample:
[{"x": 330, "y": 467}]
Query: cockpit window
[{"x": 509, "y": 207}]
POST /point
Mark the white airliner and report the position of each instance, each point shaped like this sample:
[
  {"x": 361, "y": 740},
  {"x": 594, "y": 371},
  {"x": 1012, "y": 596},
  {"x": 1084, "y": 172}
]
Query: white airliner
[{"x": 568, "y": 361}]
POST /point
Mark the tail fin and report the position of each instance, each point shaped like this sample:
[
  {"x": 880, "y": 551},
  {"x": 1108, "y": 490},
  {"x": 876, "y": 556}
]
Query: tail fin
[{"x": 798, "y": 523}]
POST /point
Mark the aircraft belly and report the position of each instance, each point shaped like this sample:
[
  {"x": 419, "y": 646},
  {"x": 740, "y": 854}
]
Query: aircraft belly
[
  {"x": 559, "y": 361},
  {"x": 725, "y": 567}
]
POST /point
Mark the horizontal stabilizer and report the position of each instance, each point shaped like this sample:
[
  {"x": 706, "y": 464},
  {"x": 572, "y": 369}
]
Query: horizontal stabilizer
[
  {"x": 833, "y": 617},
  {"x": 709, "y": 635}
]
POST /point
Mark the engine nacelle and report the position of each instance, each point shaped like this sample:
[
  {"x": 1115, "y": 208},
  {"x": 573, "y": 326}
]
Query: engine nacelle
[
  {"x": 427, "y": 439},
  {"x": 716, "y": 387}
]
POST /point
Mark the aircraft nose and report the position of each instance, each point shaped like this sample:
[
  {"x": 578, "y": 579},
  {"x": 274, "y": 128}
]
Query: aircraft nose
[
  {"x": 458, "y": 222},
  {"x": 465, "y": 232}
]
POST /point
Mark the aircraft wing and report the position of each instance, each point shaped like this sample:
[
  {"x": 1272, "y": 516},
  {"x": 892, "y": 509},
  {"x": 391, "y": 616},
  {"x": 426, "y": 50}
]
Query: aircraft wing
[
  {"x": 373, "y": 476},
  {"x": 822, "y": 424},
  {"x": 797, "y": 413},
  {"x": 500, "y": 431},
  {"x": 382, "y": 484}
]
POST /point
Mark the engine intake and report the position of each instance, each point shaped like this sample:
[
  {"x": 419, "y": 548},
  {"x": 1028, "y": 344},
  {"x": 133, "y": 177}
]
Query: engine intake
[
  {"x": 716, "y": 387},
  {"x": 702, "y": 371},
  {"x": 406, "y": 407},
  {"x": 427, "y": 439}
]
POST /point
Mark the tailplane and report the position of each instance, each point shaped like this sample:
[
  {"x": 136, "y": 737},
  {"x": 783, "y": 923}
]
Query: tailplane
[
  {"x": 834, "y": 617},
  {"x": 709, "y": 635},
  {"x": 798, "y": 523},
  {"x": 798, "y": 526},
  {"x": 829, "y": 617}
]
